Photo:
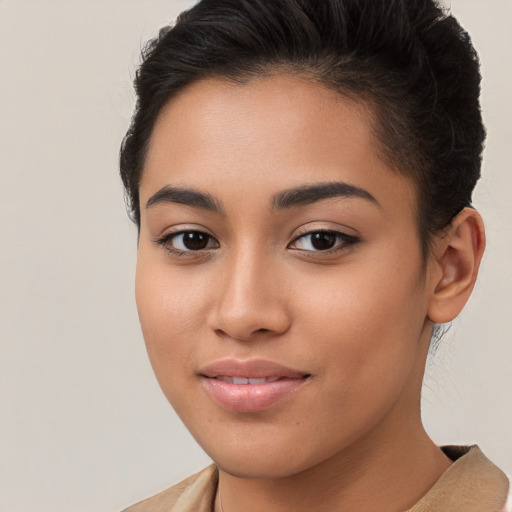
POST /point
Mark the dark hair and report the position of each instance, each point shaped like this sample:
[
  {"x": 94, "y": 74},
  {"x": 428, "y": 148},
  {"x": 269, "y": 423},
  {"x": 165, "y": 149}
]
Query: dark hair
[{"x": 408, "y": 59}]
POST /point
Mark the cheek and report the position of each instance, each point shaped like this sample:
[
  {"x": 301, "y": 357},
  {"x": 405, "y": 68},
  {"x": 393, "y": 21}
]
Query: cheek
[
  {"x": 366, "y": 350},
  {"x": 171, "y": 309},
  {"x": 367, "y": 321}
]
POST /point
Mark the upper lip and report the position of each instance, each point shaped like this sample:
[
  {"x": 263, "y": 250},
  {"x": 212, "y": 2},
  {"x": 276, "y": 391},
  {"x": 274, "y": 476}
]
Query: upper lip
[{"x": 251, "y": 368}]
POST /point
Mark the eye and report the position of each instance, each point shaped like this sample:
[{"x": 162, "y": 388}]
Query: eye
[
  {"x": 187, "y": 241},
  {"x": 323, "y": 241}
]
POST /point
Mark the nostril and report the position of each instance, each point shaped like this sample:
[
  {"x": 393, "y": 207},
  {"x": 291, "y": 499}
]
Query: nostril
[{"x": 247, "y": 323}]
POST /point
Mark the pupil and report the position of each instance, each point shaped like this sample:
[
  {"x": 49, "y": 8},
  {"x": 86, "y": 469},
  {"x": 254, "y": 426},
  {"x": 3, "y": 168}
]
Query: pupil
[
  {"x": 195, "y": 241},
  {"x": 323, "y": 241}
]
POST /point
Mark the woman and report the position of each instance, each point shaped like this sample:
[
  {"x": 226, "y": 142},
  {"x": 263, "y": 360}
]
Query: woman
[{"x": 301, "y": 175}]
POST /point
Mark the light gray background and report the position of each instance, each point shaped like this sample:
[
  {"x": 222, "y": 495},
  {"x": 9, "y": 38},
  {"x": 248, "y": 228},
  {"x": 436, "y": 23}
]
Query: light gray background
[{"x": 83, "y": 425}]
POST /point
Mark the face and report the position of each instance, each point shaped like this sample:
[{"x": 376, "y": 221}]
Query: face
[{"x": 280, "y": 284}]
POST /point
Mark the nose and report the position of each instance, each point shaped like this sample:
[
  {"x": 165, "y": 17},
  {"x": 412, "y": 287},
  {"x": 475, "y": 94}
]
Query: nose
[{"x": 251, "y": 300}]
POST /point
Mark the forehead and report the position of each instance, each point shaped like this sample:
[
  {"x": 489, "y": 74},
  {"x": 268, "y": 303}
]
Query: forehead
[
  {"x": 267, "y": 134},
  {"x": 297, "y": 109}
]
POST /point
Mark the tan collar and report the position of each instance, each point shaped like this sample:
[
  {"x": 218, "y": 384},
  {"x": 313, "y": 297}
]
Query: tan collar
[{"x": 471, "y": 484}]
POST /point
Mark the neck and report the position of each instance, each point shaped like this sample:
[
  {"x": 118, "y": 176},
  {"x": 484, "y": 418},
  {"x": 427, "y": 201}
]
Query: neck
[{"x": 389, "y": 478}]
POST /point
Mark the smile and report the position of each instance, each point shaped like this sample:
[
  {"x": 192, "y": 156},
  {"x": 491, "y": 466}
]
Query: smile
[
  {"x": 247, "y": 380},
  {"x": 250, "y": 386}
]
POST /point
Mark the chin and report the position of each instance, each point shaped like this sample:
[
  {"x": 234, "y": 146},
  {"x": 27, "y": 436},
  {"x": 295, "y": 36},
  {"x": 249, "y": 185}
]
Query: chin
[
  {"x": 261, "y": 468},
  {"x": 268, "y": 456}
]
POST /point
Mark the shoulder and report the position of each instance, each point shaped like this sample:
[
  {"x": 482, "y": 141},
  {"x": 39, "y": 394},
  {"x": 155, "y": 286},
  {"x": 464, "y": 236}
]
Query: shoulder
[{"x": 194, "y": 494}]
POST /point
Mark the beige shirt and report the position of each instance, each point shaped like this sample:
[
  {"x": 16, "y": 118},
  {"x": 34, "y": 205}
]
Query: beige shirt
[{"x": 471, "y": 484}]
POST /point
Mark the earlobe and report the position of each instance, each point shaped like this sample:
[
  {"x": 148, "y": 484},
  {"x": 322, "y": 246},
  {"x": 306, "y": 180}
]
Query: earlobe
[{"x": 457, "y": 258}]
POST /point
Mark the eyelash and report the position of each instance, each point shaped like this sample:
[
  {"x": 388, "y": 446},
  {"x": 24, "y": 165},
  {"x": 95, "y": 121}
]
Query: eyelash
[
  {"x": 344, "y": 241},
  {"x": 347, "y": 241},
  {"x": 165, "y": 242}
]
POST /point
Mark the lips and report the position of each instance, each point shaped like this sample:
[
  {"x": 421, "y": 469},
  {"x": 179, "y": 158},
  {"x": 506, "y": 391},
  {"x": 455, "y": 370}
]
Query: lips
[
  {"x": 250, "y": 386},
  {"x": 246, "y": 380}
]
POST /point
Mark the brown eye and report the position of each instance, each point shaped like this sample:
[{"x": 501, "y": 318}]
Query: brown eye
[
  {"x": 187, "y": 241},
  {"x": 318, "y": 241},
  {"x": 195, "y": 240},
  {"x": 323, "y": 241}
]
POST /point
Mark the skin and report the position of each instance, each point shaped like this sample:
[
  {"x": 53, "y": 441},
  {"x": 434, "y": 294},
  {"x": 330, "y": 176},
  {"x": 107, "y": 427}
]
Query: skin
[{"x": 357, "y": 320}]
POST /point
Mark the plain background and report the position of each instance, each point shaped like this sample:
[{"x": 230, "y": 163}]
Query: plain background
[{"x": 83, "y": 425}]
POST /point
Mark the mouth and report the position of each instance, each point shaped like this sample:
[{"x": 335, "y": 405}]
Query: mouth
[
  {"x": 250, "y": 386},
  {"x": 246, "y": 380}
]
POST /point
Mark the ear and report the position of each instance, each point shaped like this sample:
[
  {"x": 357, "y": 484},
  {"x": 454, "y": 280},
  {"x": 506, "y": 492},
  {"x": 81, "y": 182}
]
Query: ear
[{"x": 456, "y": 259}]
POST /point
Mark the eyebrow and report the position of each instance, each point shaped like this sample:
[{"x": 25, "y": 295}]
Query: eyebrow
[
  {"x": 307, "y": 194},
  {"x": 188, "y": 197},
  {"x": 298, "y": 196}
]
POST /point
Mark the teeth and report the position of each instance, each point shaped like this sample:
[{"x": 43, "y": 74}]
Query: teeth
[
  {"x": 246, "y": 380},
  {"x": 257, "y": 381}
]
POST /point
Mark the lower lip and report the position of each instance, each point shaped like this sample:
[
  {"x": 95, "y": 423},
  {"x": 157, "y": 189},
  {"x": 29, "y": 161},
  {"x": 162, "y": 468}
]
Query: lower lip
[{"x": 250, "y": 397}]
